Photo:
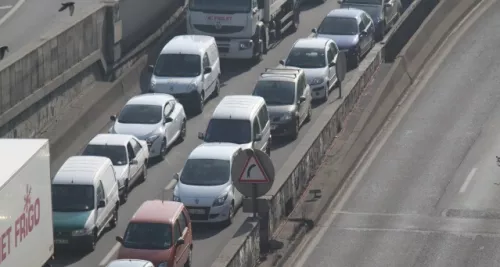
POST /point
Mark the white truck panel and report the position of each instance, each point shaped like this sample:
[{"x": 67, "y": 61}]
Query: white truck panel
[{"x": 26, "y": 235}]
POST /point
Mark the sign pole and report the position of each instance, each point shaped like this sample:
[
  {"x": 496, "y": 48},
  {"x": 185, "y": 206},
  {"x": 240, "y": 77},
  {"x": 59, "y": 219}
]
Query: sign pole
[{"x": 254, "y": 201}]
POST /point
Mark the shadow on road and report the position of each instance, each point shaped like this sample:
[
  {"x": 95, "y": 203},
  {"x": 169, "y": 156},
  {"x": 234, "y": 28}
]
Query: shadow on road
[{"x": 204, "y": 231}]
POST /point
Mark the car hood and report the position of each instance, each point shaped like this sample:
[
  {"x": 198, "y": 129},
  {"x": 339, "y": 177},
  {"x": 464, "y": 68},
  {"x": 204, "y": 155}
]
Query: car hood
[
  {"x": 156, "y": 256},
  {"x": 185, "y": 191},
  {"x": 140, "y": 131},
  {"x": 342, "y": 41},
  {"x": 172, "y": 85},
  {"x": 278, "y": 111},
  {"x": 70, "y": 220},
  {"x": 315, "y": 73}
]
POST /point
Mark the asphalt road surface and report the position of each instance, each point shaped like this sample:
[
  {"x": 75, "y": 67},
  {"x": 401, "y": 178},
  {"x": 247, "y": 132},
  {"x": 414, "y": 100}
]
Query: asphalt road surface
[
  {"x": 209, "y": 240},
  {"x": 5, "y": 6},
  {"x": 429, "y": 193}
]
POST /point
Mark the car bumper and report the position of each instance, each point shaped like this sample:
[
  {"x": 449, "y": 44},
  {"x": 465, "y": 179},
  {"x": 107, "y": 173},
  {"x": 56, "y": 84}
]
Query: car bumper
[
  {"x": 203, "y": 214},
  {"x": 318, "y": 91},
  {"x": 154, "y": 148},
  {"x": 282, "y": 129},
  {"x": 65, "y": 239}
]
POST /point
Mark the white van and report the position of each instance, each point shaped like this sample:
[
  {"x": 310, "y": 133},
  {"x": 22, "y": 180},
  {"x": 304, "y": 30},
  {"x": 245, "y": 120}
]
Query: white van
[
  {"x": 188, "y": 68},
  {"x": 84, "y": 201},
  {"x": 240, "y": 119}
]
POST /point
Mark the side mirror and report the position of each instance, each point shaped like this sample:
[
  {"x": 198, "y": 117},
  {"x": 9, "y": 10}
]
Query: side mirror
[
  {"x": 207, "y": 70},
  {"x": 302, "y": 99},
  {"x": 201, "y": 136},
  {"x": 151, "y": 68},
  {"x": 180, "y": 242},
  {"x": 119, "y": 239},
  {"x": 176, "y": 177},
  {"x": 112, "y": 117},
  {"x": 282, "y": 62},
  {"x": 134, "y": 162},
  {"x": 331, "y": 64},
  {"x": 101, "y": 204},
  {"x": 168, "y": 119},
  {"x": 314, "y": 30},
  {"x": 258, "y": 137}
]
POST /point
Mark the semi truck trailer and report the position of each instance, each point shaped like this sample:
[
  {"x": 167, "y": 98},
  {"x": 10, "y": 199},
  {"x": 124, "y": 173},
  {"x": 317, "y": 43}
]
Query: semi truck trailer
[
  {"x": 243, "y": 29},
  {"x": 26, "y": 236}
]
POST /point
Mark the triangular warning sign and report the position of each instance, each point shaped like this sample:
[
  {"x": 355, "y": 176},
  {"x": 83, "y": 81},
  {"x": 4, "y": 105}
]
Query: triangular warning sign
[{"x": 253, "y": 173}]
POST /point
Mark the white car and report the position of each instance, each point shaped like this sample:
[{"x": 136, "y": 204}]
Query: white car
[
  {"x": 205, "y": 186},
  {"x": 157, "y": 119},
  {"x": 128, "y": 154},
  {"x": 130, "y": 263},
  {"x": 317, "y": 57}
]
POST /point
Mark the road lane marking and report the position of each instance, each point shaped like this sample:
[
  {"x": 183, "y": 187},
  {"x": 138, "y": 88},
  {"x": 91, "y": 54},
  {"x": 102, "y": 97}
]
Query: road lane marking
[
  {"x": 468, "y": 179},
  {"x": 5, "y": 7},
  {"x": 110, "y": 254},
  {"x": 171, "y": 185}
]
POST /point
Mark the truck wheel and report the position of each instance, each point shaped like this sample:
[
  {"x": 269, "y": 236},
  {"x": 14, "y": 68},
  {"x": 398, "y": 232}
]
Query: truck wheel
[
  {"x": 296, "y": 21},
  {"x": 114, "y": 220}
]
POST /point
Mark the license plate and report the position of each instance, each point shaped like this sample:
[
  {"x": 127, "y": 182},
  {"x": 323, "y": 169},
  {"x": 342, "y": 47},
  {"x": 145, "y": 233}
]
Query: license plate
[
  {"x": 61, "y": 241},
  {"x": 196, "y": 211}
]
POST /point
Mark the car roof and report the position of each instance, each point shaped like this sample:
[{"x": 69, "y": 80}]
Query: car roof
[
  {"x": 111, "y": 139},
  {"x": 239, "y": 107},
  {"x": 157, "y": 211},
  {"x": 188, "y": 44},
  {"x": 222, "y": 151},
  {"x": 311, "y": 43},
  {"x": 281, "y": 73},
  {"x": 81, "y": 170},
  {"x": 128, "y": 263},
  {"x": 150, "y": 99},
  {"x": 346, "y": 13}
]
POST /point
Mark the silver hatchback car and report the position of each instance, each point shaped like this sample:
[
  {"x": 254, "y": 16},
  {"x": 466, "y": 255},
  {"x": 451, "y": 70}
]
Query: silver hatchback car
[{"x": 288, "y": 99}]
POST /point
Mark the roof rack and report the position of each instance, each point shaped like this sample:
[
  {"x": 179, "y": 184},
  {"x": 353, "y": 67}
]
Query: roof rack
[{"x": 281, "y": 71}]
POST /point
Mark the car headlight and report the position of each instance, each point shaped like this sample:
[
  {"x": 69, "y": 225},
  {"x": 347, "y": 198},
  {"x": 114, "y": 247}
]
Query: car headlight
[
  {"x": 152, "y": 138},
  {"x": 163, "y": 264},
  {"x": 246, "y": 44},
  {"x": 193, "y": 87},
  {"x": 81, "y": 232},
  {"x": 220, "y": 200},
  {"x": 286, "y": 117},
  {"x": 176, "y": 198},
  {"x": 316, "y": 81}
]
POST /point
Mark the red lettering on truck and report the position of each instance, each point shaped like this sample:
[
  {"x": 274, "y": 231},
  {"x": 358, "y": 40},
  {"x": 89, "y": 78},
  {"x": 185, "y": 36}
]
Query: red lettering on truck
[{"x": 23, "y": 226}]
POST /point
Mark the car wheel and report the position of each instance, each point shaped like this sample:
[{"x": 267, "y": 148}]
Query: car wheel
[
  {"x": 144, "y": 172},
  {"x": 327, "y": 90},
  {"x": 163, "y": 149},
  {"x": 190, "y": 258},
  {"x": 381, "y": 32},
  {"x": 201, "y": 103},
  {"x": 268, "y": 148},
  {"x": 183, "y": 131},
  {"x": 309, "y": 114},
  {"x": 124, "y": 197},
  {"x": 230, "y": 217},
  {"x": 114, "y": 221},
  {"x": 356, "y": 59},
  {"x": 217, "y": 88},
  {"x": 93, "y": 241},
  {"x": 295, "y": 133}
]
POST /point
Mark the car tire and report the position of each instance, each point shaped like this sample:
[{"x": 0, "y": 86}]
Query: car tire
[
  {"x": 381, "y": 32},
  {"x": 93, "y": 241},
  {"x": 230, "y": 218},
  {"x": 356, "y": 58},
  {"x": 295, "y": 133},
  {"x": 327, "y": 91},
  {"x": 182, "y": 135},
  {"x": 217, "y": 88},
  {"x": 163, "y": 149},
  {"x": 309, "y": 114},
  {"x": 114, "y": 221},
  {"x": 268, "y": 148},
  {"x": 124, "y": 196},
  {"x": 144, "y": 175},
  {"x": 201, "y": 103}
]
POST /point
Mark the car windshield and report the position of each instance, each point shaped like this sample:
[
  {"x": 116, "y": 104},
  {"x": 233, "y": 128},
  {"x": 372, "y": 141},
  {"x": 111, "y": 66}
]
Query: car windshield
[
  {"x": 148, "y": 236},
  {"x": 338, "y": 26},
  {"x": 306, "y": 58},
  {"x": 178, "y": 65},
  {"x": 276, "y": 93},
  {"x": 235, "y": 6},
  {"x": 71, "y": 198},
  {"x": 228, "y": 130},
  {"x": 140, "y": 114},
  {"x": 117, "y": 154},
  {"x": 209, "y": 172}
]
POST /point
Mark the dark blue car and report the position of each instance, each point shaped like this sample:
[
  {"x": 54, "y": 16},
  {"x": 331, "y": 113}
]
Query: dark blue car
[{"x": 352, "y": 30}]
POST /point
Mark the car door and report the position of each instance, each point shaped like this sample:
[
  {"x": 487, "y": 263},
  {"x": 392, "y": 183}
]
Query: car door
[
  {"x": 256, "y": 131},
  {"x": 207, "y": 77},
  {"x": 331, "y": 54},
  {"x": 139, "y": 156},
  {"x": 362, "y": 36},
  {"x": 100, "y": 217},
  {"x": 132, "y": 168},
  {"x": 170, "y": 128},
  {"x": 177, "y": 116},
  {"x": 301, "y": 106},
  {"x": 265, "y": 125},
  {"x": 180, "y": 250}
]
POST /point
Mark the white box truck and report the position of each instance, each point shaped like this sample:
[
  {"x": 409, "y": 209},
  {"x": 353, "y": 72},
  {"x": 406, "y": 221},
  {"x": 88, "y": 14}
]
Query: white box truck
[
  {"x": 243, "y": 29},
  {"x": 26, "y": 237}
]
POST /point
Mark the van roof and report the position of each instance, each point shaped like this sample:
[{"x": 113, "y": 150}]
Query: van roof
[
  {"x": 222, "y": 151},
  {"x": 128, "y": 263},
  {"x": 188, "y": 44},
  {"x": 81, "y": 170},
  {"x": 16, "y": 153},
  {"x": 157, "y": 211},
  {"x": 111, "y": 139},
  {"x": 240, "y": 107}
]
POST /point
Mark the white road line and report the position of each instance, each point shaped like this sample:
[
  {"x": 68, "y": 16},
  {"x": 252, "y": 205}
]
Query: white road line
[
  {"x": 5, "y": 7},
  {"x": 171, "y": 185},
  {"x": 468, "y": 179},
  {"x": 110, "y": 254}
]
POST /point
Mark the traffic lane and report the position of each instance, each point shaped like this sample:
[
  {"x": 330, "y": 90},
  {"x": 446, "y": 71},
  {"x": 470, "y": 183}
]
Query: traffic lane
[
  {"x": 6, "y": 6},
  {"x": 393, "y": 214},
  {"x": 33, "y": 20},
  {"x": 238, "y": 81}
]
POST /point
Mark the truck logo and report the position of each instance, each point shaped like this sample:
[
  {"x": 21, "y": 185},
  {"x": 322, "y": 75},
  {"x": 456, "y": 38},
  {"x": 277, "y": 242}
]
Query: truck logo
[{"x": 218, "y": 26}]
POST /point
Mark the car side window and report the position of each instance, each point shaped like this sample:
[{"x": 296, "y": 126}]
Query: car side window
[
  {"x": 334, "y": 49},
  {"x": 330, "y": 55},
  {"x": 136, "y": 146},
  {"x": 168, "y": 109},
  {"x": 177, "y": 231},
  {"x": 362, "y": 26},
  {"x": 131, "y": 153},
  {"x": 366, "y": 19},
  {"x": 300, "y": 87},
  {"x": 263, "y": 116},
  {"x": 256, "y": 127},
  {"x": 100, "y": 192},
  {"x": 206, "y": 61},
  {"x": 182, "y": 222}
]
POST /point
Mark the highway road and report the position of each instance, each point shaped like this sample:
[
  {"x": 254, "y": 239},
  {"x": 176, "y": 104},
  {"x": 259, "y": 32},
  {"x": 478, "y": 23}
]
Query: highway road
[
  {"x": 428, "y": 193},
  {"x": 209, "y": 240}
]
